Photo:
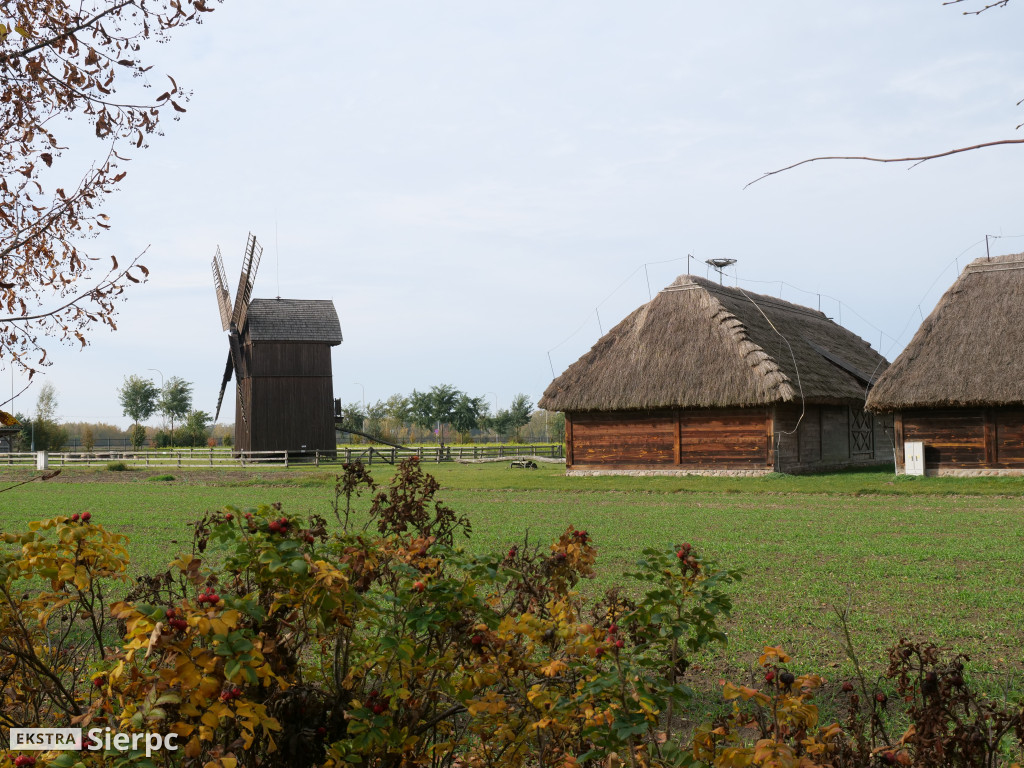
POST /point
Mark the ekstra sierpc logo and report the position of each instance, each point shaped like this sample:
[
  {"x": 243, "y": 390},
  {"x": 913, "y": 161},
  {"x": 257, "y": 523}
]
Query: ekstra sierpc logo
[{"x": 47, "y": 739}]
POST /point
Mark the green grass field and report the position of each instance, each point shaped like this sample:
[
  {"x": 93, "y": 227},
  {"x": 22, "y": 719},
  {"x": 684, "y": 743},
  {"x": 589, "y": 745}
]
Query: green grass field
[{"x": 939, "y": 559}]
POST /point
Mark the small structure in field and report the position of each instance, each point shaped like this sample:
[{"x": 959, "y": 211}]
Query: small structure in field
[
  {"x": 710, "y": 379},
  {"x": 958, "y": 387},
  {"x": 279, "y": 351}
]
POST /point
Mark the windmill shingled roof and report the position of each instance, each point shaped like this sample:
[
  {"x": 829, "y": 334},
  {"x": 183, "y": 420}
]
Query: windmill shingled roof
[{"x": 293, "y": 320}]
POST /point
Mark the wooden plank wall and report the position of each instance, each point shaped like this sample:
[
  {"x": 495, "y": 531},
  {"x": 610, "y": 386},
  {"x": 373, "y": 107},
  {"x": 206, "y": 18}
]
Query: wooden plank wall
[
  {"x": 954, "y": 438},
  {"x": 824, "y": 438},
  {"x": 289, "y": 398},
  {"x": 967, "y": 438},
  {"x": 694, "y": 439}
]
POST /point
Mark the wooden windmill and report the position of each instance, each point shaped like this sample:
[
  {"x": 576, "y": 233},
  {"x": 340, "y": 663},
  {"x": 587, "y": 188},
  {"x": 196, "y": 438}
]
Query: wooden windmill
[{"x": 279, "y": 351}]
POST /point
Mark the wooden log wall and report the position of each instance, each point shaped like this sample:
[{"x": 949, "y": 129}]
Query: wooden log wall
[
  {"x": 738, "y": 438},
  {"x": 966, "y": 438}
]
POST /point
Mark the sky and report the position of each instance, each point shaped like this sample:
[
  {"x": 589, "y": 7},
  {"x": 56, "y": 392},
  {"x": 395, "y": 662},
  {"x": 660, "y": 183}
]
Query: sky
[{"x": 482, "y": 189}]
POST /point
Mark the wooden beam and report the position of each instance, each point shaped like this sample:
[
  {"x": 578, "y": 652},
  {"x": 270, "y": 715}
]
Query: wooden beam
[
  {"x": 991, "y": 449},
  {"x": 769, "y": 426},
  {"x": 678, "y": 447},
  {"x": 568, "y": 441},
  {"x": 897, "y": 436}
]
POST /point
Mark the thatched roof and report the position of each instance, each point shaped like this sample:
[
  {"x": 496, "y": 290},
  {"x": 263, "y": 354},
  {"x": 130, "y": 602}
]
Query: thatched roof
[
  {"x": 701, "y": 345},
  {"x": 312, "y": 320},
  {"x": 970, "y": 350}
]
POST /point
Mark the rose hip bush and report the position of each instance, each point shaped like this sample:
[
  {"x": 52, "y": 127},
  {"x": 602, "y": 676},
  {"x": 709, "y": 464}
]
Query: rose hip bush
[{"x": 279, "y": 642}]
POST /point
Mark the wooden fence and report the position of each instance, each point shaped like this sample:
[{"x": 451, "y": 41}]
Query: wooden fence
[
  {"x": 458, "y": 453},
  {"x": 198, "y": 458}
]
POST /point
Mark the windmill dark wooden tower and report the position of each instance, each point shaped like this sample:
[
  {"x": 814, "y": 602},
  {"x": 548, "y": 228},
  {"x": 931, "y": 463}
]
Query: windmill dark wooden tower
[{"x": 280, "y": 356}]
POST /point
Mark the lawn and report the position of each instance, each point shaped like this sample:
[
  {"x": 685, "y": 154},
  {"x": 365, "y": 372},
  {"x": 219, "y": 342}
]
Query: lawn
[{"x": 931, "y": 558}]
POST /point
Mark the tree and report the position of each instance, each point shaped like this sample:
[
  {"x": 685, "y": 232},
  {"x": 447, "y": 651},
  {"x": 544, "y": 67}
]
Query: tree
[
  {"x": 62, "y": 61},
  {"x": 978, "y": 7},
  {"x": 138, "y": 397},
  {"x": 397, "y": 413},
  {"x": 195, "y": 429},
  {"x": 175, "y": 399},
  {"x": 501, "y": 423},
  {"x": 49, "y": 436},
  {"x": 433, "y": 409},
  {"x": 88, "y": 439},
  {"x": 466, "y": 414},
  {"x": 519, "y": 413},
  {"x": 352, "y": 416},
  {"x": 375, "y": 415}
]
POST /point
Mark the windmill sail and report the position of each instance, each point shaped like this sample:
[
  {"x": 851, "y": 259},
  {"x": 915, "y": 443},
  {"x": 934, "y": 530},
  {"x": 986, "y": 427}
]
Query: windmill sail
[
  {"x": 223, "y": 385},
  {"x": 220, "y": 284},
  {"x": 250, "y": 264}
]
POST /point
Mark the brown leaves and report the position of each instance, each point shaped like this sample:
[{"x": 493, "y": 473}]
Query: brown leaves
[{"x": 78, "y": 56}]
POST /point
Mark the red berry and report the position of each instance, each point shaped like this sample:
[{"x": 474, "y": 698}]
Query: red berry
[
  {"x": 680, "y": 554},
  {"x": 477, "y": 639},
  {"x": 419, "y": 586},
  {"x": 378, "y": 708},
  {"x": 881, "y": 698},
  {"x": 309, "y": 538},
  {"x": 74, "y": 519},
  {"x": 24, "y": 760},
  {"x": 99, "y": 682},
  {"x": 86, "y": 517},
  {"x": 619, "y": 643},
  {"x": 229, "y": 517},
  {"x": 847, "y": 686},
  {"x": 374, "y": 694},
  {"x": 321, "y": 731},
  {"x": 170, "y": 613},
  {"x": 599, "y": 651},
  {"x": 769, "y": 676}
]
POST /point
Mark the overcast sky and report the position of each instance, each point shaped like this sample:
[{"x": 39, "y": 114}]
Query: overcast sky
[{"x": 470, "y": 181}]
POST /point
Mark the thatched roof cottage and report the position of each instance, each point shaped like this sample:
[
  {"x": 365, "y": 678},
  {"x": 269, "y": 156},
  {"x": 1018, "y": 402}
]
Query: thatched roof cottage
[
  {"x": 712, "y": 379},
  {"x": 958, "y": 387}
]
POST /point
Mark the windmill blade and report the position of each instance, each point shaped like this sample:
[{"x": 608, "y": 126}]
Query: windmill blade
[
  {"x": 224, "y": 385},
  {"x": 250, "y": 264},
  {"x": 220, "y": 284}
]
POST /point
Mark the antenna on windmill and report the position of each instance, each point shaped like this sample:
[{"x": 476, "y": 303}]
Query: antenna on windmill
[{"x": 719, "y": 266}]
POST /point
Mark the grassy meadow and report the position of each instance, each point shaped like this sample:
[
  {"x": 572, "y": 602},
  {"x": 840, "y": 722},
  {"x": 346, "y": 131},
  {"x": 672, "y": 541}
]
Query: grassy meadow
[{"x": 927, "y": 558}]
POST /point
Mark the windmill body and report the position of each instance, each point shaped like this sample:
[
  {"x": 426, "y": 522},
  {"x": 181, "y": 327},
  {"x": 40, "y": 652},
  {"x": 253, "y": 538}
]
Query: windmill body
[{"x": 280, "y": 356}]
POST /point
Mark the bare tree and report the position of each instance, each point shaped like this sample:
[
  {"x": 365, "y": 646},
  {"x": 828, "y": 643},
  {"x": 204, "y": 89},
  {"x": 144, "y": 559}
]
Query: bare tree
[
  {"x": 59, "y": 61},
  {"x": 976, "y": 8}
]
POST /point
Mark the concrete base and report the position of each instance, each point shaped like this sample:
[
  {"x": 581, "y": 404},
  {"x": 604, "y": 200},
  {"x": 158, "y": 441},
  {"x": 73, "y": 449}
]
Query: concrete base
[{"x": 668, "y": 472}]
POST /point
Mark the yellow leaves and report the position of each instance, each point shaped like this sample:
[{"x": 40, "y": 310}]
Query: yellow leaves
[
  {"x": 553, "y": 668},
  {"x": 731, "y": 691},
  {"x": 492, "y": 704},
  {"x": 773, "y": 655}
]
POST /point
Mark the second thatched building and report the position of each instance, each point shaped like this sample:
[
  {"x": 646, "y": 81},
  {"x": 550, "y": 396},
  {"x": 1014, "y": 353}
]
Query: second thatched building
[
  {"x": 710, "y": 379},
  {"x": 957, "y": 390}
]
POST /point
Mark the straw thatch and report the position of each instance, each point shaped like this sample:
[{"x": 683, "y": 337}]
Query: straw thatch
[
  {"x": 968, "y": 350},
  {"x": 701, "y": 345}
]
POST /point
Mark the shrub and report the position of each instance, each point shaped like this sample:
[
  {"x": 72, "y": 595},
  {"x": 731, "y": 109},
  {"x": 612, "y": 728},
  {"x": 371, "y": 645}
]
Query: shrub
[
  {"x": 117, "y": 466},
  {"x": 162, "y": 478},
  {"x": 300, "y": 647}
]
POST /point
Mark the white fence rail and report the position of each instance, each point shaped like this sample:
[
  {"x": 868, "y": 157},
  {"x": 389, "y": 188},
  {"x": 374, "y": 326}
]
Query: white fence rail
[{"x": 197, "y": 458}]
